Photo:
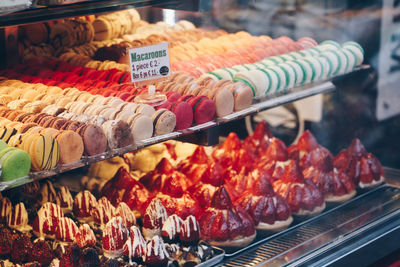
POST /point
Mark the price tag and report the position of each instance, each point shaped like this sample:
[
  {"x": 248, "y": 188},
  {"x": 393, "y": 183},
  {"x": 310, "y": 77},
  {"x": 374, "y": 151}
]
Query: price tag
[{"x": 149, "y": 62}]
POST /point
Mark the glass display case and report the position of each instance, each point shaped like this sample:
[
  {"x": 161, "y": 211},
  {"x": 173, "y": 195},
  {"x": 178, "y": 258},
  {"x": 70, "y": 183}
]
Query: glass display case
[{"x": 326, "y": 67}]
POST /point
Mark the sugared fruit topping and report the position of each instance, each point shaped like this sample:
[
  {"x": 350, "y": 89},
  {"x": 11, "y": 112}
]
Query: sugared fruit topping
[
  {"x": 103, "y": 212},
  {"x": 221, "y": 199}
]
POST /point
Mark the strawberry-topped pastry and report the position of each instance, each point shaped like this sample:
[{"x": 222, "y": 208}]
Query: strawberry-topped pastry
[
  {"x": 102, "y": 212},
  {"x": 126, "y": 214},
  {"x": 196, "y": 165},
  {"x": 302, "y": 195},
  {"x": 189, "y": 233},
  {"x": 18, "y": 218},
  {"x": 115, "y": 234},
  {"x": 164, "y": 178},
  {"x": 84, "y": 204},
  {"x": 135, "y": 247},
  {"x": 268, "y": 210},
  {"x": 5, "y": 208},
  {"x": 47, "y": 219},
  {"x": 258, "y": 142},
  {"x": 274, "y": 158},
  {"x": 66, "y": 230},
  {"x": 301, "y": 150},
  {"x": 153, "y": 219},
  {"x": 232, "y": 154},
  {"x": 183, "y": 205},
  {"x": 335, "y": 184},
  {"x": 361, "y": 166},
  {"x": 123, "y": 187},
  {"x": 226, "y": 225},
  {"x": 64, "y": 199}
]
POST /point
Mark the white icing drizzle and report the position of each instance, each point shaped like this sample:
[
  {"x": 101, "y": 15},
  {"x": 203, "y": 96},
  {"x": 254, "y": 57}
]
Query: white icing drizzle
[
  {"x": 48, "y": 213},
  {"x": 66, "y": 229},
  {"x": 84, "y": 201},
  {"x": 172, "y": 226},
  {"x": 103, "y": 212},
  {"x": 157, "y": 248},
  {"x": 18, "y": 218},
  {"x": 135, "y": 245},
  {"x": 86, "y": 235},
  {"x": 126, "y": 214},
  {"x": 5, "y": 208},
  {"x": 117, "y": 234},
  {"x": 64, "y": 199},
  {"x": 189, "y": 224},
  {"x": 156, "y": 212}
]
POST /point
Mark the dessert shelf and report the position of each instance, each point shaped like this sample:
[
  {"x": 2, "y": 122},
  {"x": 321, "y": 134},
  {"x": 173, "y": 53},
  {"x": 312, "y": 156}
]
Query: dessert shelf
[
  {"x": 259, "y": 105},
  {"x": 82, "y": 8},
  {"x": 371, "y": 216}
]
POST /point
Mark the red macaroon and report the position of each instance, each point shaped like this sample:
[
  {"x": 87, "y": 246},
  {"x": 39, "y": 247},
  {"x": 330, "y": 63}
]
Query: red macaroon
[
  {"x": 173, "y": 96},
  {"x": 184, "y": 114},
  {"x": 203, "y": 109}
]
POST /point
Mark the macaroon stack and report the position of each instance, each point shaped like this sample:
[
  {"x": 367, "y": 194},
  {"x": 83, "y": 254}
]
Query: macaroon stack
[
  {"x": 14, "y": 162},
  {"x": 284, "y": 72}
]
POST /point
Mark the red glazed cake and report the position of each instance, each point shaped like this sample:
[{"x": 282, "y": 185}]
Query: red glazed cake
[
  {"x": 223, "y": 224},
  {"x": 115, "y": 234},
  {"x": 135, "y": 247}
]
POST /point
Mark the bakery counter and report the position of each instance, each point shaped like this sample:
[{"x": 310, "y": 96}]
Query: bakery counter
[
  {"x": 360, "y": 231},
  {"x": 82, "y": 8},
  {"x": 207, "y": 128}
]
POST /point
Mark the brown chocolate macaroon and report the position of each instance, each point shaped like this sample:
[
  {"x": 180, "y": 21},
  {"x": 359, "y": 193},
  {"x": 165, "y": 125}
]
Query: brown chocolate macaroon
[
  {"x": 94, "y": 139},
  {"x": 118, "y": 133}
]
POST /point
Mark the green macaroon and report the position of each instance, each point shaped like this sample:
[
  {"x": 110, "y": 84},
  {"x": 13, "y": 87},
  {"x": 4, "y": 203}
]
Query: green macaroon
[
  {"x": 15, "y": 163},
  {"x": 3, "y": 145}
]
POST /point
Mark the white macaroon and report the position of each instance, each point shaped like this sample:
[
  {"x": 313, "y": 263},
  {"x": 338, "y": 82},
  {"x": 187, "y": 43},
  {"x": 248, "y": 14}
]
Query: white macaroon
[
  {"x": 308, "y": 70},
  {"x": 299, "y": 72},
  {"x": 352, "y": 57},
  {"x": 281, "y": 78},
  {"x": 355, "y": 49},
  {"x": 291, "y": 76}
]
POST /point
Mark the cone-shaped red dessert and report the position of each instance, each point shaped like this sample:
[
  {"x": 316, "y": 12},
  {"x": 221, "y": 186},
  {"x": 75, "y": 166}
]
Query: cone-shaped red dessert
[
  {"x": 223, "y": 224},
  {"x": 171, "y": 228},
  {"x": 274, "y": 158},
  {"x": 126, "y": 214},
  {"x": 115, "y": 234},
  {"x": 137, "y": 198},
  {"x": 66, "y": 230},
  {"x": 334, "y": 184},
  {"x": 190, "y": 231},
  {"x": 182, "y": 206},
  {"x": 84, "y": 203},
  {"x": 156, "y": 253},
  {"x": 46, "y": 221},
  {"x": 5, "y": 208},
  {"x": 116, "y": 187},
  {"x": 362, "y": 167},
  {"x": 103, "y": 211},
  {"x": 306, "y": 143},
  {"x": 135, "y": 247},
  {"x": 47, "y": 193},
  {"x": 18, "y": 218},
  {"x": 64, "y": 199},
  {"x": 268, "y": 210},
  {"x": 303, "y": 196},
  {"x": 153, "y": 219},
  {"x": 258, "y": 142},
  {"x": 85, "y": 236}
]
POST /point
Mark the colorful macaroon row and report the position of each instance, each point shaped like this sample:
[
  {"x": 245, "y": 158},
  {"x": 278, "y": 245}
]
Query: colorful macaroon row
[
  {"x": 284, "y": 72},
  {"x": 242, "y": 55}
]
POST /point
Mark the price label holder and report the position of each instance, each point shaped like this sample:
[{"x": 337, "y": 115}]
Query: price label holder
[{"x": 149, "y": 64}]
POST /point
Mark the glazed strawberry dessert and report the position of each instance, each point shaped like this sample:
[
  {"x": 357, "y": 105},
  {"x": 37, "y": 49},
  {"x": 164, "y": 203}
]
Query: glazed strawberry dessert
[
  {"x": 302, "y": 195},
  {"x": 268, "y": 210},
  {"x": 335, "y": 184},
  {"x": 362, "y": 167},
  {"x": 223, "y": 224}
]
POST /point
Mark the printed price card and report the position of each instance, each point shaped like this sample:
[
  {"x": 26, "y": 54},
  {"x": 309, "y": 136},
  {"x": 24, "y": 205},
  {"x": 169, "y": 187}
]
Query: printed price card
[{"x": 149, "y": 62}]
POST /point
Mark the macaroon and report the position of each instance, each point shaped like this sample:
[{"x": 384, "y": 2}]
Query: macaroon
[{"x": 15, "y": 163}]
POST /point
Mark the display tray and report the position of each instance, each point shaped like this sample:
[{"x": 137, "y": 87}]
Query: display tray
[
  {"x": 218, "y": 257},
  {"x": 259, "y": 105},
  {"x": 335, "y": 225}
]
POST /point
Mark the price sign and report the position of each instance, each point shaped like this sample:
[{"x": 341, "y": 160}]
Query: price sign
[{"x": 149, "y": 62}]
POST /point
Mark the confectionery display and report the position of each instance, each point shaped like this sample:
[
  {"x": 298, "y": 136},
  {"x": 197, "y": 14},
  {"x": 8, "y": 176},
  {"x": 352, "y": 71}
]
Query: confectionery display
[{"x": 70, "y": 100}]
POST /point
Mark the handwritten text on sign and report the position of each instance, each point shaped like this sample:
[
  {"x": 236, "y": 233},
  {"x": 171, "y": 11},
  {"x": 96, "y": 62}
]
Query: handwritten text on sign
[{"x": 149, "y": 62}]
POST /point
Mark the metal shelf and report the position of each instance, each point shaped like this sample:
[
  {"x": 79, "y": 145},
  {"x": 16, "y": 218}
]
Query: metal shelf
[
  {"x": 259, "y": 105},
  {"x": 82, "y": 8}
]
